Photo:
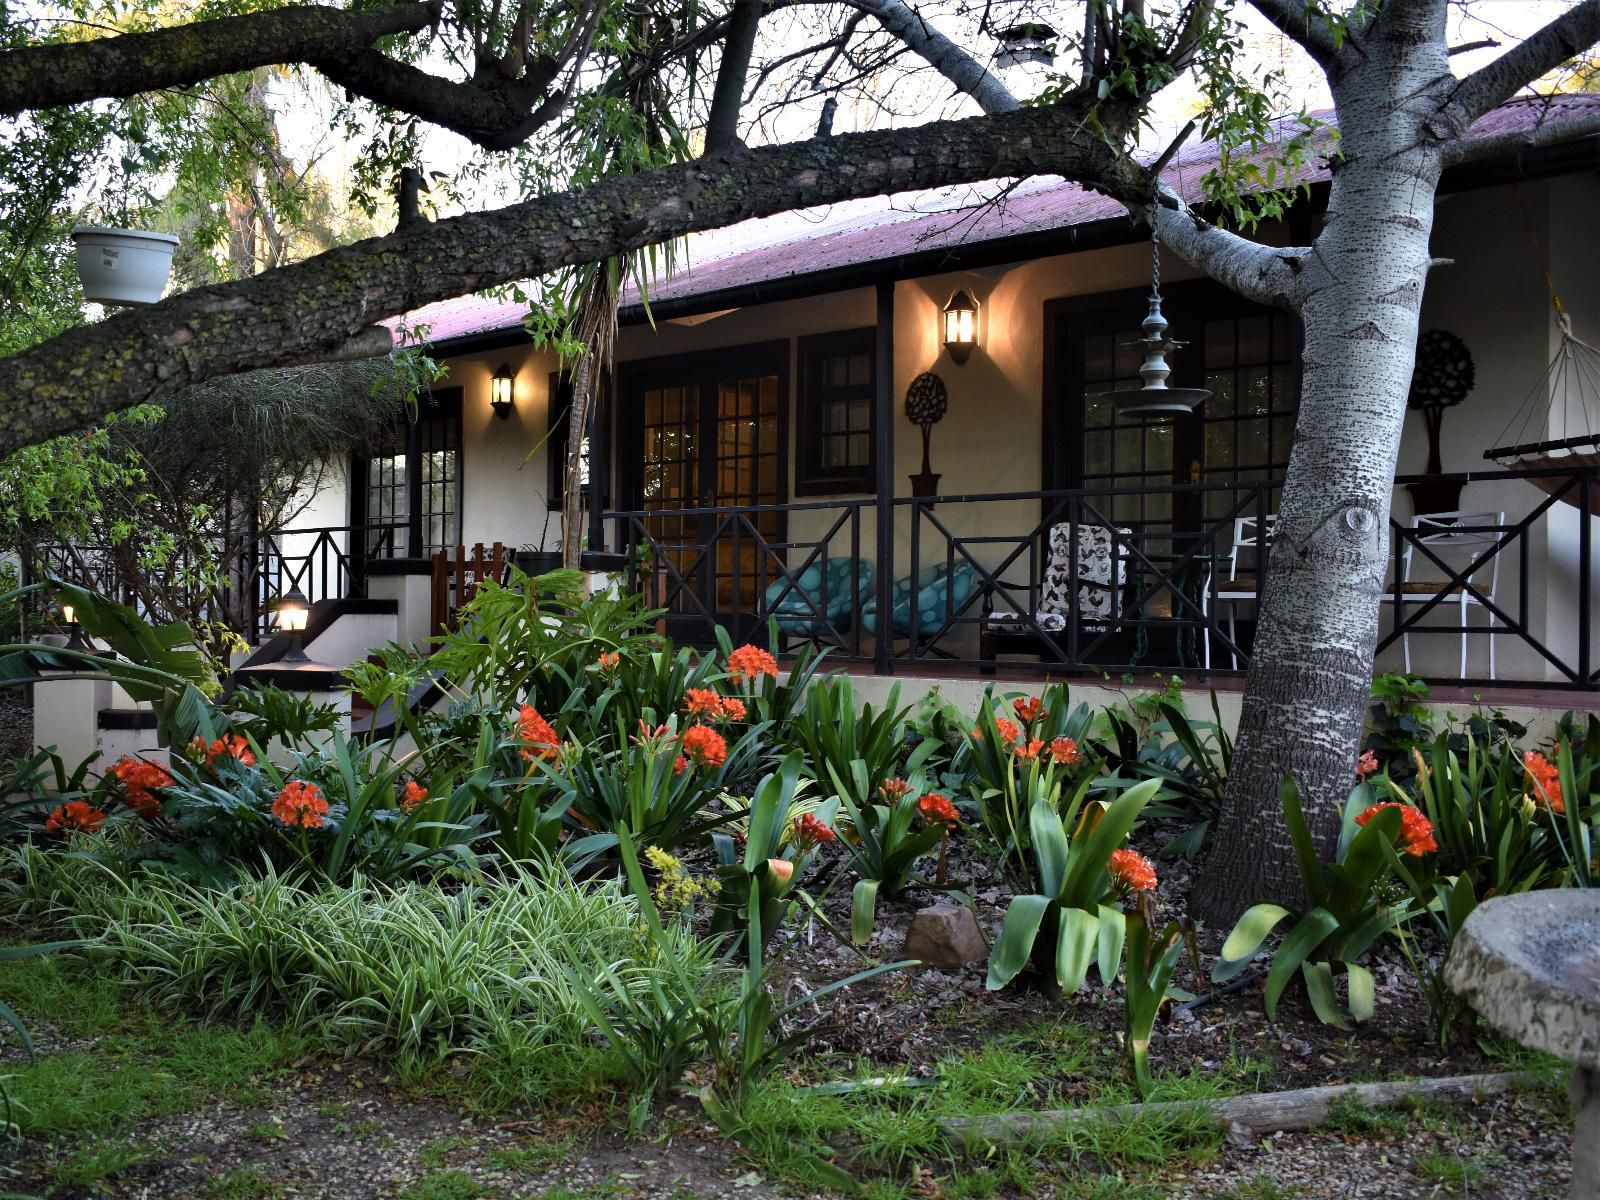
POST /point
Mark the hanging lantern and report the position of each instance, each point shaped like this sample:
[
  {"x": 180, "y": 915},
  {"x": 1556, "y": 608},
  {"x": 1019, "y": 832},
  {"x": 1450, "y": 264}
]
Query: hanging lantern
[
  {"x": 1155, "y": 401},
  {"x": 1033, "y": 42},
  {"x": 960, "y": 320}
]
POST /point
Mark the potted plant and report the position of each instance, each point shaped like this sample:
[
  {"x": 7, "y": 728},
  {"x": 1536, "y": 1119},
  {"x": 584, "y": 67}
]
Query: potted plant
[{"x": 123, "y": 266}]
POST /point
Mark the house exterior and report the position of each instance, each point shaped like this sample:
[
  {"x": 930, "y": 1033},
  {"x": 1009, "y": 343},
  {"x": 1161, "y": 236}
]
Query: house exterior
[{"x": 755, "y": 427}]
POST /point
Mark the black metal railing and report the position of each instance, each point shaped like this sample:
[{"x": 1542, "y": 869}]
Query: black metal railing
[{"x": 1473, "y": 599}]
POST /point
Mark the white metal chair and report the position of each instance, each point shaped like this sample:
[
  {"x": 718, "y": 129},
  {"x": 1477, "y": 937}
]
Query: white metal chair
[
  {"x": 1250, "y": 542},
  {"x": 1457, "y": 540}
]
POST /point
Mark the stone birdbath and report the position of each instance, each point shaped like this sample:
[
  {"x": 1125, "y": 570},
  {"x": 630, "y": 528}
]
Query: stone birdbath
[{"x": 1530, "y": 965}]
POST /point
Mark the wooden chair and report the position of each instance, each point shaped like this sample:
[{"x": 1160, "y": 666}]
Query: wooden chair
[{"x": 456, "y": 580}]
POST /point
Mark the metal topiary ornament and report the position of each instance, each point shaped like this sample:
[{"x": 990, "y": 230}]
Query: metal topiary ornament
[
  {"x": 927, "y": 401},
  {"x": 1443, "y": 375}
]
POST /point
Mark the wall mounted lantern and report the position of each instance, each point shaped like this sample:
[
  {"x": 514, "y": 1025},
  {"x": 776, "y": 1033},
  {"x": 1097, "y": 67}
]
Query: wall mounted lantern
[
  {"x": 502, "y": 392},
  {"x": 960, "y": 318},
  {"x": 293, "y": 612}
]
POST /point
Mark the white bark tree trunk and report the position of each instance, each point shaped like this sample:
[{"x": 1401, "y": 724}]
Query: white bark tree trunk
[{"x": 1359, "y": 297}]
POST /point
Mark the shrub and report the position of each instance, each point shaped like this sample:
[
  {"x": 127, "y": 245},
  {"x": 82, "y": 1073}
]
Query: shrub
[{"x": 1193, "y": 766}]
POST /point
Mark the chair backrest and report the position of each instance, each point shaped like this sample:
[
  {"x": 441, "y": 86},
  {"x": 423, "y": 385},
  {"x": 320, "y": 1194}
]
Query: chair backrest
[
  {"x": 1102, "y": 570},
  {"x": 456, "y": 579},
  {"x": 1252, "y": 535},
  {"x": 1456, "y": 539}
]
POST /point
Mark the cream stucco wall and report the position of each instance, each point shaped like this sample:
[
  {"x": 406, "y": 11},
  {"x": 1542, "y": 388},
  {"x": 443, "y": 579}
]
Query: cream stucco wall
[{"x": 1492, "y": 296}]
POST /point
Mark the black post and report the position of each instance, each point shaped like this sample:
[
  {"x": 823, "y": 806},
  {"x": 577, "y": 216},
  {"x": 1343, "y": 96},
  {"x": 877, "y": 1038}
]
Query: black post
[
  {"x": 414, "y": 548},
  {"x": 599, "y": 465},
  {"x": 883, "y": 460}
]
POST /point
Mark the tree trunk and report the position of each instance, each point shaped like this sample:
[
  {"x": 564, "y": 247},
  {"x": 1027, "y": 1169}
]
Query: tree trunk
[
  {"x": 1310, "y": 673},
  {"x": 572, "y": 481}
]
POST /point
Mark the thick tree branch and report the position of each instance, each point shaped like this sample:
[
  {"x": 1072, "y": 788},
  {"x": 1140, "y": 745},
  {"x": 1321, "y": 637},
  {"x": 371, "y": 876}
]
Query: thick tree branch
[
  {"x": 1301, "y": 23},
  {"x": 1507, "y": 144},
  {"x": 727, "y": 99},
  {"x": 128, "y": 64},
  {"x": 1268, "y": 275},
  {"x": 1573, "y": 32},
  {"x": 315, "y": 307}
]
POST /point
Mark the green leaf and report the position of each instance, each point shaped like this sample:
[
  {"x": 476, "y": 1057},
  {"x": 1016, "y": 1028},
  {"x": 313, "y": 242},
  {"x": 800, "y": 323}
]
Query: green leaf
[
  {"x": 1113, "y": 929},
  {"x": 1075, "y": 947},
  {"x": 1363, "y": 995},
  {"x": 863, "y": 911},
  {"x": 1305, "y": 850},
  {"x": 1319, "y": 987},
  {"x": 1015, "y": 943},
  {"x": 1244, "y": 942},
  {"x": 1050, "y": 847},
  {"x": 1309, "y": 933}
]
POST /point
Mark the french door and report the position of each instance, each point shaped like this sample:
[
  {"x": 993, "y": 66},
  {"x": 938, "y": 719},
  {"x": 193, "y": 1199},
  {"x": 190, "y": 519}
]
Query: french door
[
  {"x": 709, "y": 433},
  {"x": 407, "y": 491}
]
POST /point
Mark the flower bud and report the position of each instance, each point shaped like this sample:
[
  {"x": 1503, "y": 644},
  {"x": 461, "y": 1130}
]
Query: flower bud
[{"x": 780, "y": 869}]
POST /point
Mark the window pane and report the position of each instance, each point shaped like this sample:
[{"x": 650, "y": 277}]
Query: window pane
[
  {"x": 1219, "y": 344},
  {"x": 860, "y": 370},
  {"x": 1253, "y": 345}
]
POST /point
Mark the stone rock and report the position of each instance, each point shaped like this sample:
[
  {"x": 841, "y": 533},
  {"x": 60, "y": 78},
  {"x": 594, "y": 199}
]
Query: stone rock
[{"x": 945, "y": 935}]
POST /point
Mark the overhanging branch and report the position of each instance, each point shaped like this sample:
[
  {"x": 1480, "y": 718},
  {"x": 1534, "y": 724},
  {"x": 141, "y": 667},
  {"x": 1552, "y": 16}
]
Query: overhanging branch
[
  {"x": 317, "y": 306},
  {"x": 1573, "y": 32},
  {"x": 1552, "y": 133},
  {"x": 1299, "y": 22},
  {"x": 128, "y": 64}
]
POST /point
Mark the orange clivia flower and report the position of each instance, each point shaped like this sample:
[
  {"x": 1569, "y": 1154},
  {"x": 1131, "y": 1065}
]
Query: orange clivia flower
[
  {"x": 1029, "y": 709},
  {"x": 808, "y": 832},
  {"x": 1416, "y": 831},
  {"x": 411, "y": 799},
  {"x": 300, "y": 805},
  {"x": 733, "y": 708},
  {"x": 702, "y": 702},
  {"x": 231, "y": 745},
  {"x": 1028, "y": 750},
  {"x": 609, "y": 661},
  {"x": 781, "y": 869},
  {"x": 1008, "y": 732},
  {"x": 541, "y": 737},
  {"x": 1132, "y": 870},
  {"x": 1544, "y": 781},
  {"x": 77, "y": 815},
  {"x": 1064, "y": 751},
  {"x": 935, "y": 807},
  {"x": 892, "y": 790},
  {"x": 140, "y": 778},
  {"x": 752, "y": 662},
  {"x": 680, "y": 765},
  {"x": 1366, "y": 766},
  {"x": 704, "y": 746}
]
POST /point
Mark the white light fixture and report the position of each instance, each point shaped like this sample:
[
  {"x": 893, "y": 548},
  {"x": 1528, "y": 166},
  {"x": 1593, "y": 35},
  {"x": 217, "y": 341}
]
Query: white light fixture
[
  {"x": 293, "y": 613},
  {"x": 502, "y": 392}
]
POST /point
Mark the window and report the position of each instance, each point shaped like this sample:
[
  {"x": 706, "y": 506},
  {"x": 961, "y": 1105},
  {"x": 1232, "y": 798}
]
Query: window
[
  {"x": 834, "y": 452},
  {"x": 417, "y": 466},
  {"x": 1249, "y": 416}
]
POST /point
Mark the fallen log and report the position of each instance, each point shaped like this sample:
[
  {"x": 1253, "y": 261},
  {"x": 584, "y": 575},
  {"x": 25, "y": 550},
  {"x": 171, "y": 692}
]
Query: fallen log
[{"x": 1243, "y": 1117}]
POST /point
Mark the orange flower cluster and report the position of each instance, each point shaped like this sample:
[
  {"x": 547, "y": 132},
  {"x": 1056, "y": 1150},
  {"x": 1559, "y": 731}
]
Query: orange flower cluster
[
  {"x": 1366, "y": 766},
  {"x": 541, "y": 737},
  {"x": 229, "y": 745},
  {"x": 1132, "y": 870},
  {"x": 1544, "y": 781},
  {"x": 1029, "y": 709},
  {"x": 413, "y": 796},
  {"x": 706, "y": 704},
  {"x": 300, "y": 805},
  {"x": 139, "y": 778},
  {"x": 935, "y": 807},
  {"x": 1064, "y": 751},
  {"x": 1416, "y": 831},
  {"x": 1028, "y": 750},
  {"x": 752, "y": 662},
  {"x": 609, "y": 662},
  {"x": 704, "y": 746},
  {"x": 893, "y": 790},
  {"x": 1008, "y": 732},
  {"x": 74, "y": 815},
  {"x": 808, "y": 832}
]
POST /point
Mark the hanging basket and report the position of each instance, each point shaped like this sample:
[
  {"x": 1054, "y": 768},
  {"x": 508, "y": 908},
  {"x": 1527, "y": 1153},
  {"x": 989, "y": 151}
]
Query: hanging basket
[
  {"x": 123, "y": 266},
  {"x": 1156, "y": 403}
]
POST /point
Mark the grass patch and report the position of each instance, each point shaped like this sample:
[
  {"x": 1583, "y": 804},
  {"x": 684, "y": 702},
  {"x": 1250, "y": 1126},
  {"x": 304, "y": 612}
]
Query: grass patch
[
  {"x": 88, "y": 1165},
  {"x": 1450, "y": 1169},
  {"x": 534, "y": 1157},
  {"x": 140, "y": 1065},
  {"x": 437, "y": 1152},
  {"x": 446, "y": 1185},
  {"x": 243, "y": 1183}
]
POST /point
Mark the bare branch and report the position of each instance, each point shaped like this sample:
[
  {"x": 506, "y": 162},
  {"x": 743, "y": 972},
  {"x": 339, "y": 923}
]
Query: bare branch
[
  {"x": 1551, "y": 133},
  {"x": 1300, "y": 22},
  {"x": 1266, "y": 274},
  {"x": 1469, "y": 47},
  {"x": 965, "y": 72},
  {"x": 1573, "y": 32},
  {"x": 128, "y": 64}
]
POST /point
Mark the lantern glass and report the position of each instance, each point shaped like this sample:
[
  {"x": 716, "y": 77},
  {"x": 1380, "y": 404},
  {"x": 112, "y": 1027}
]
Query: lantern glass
[
  {"x": 960, "y": 325},
  {"x": 69, "y": 614},
  {"x": 292, "y": 613}
]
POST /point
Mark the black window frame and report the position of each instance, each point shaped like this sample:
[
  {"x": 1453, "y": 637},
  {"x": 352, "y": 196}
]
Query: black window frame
[
  {"x": 811, "y": 477},
  {"x": 447, "y": 404}
]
